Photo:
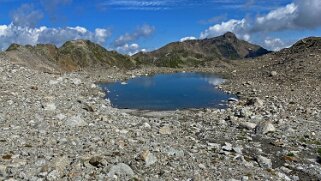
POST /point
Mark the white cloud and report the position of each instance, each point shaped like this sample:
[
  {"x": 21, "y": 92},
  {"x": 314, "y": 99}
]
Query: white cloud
[
  {"x": 130, "y": 49},
  {"x": 102, "y": 34},
  {"x": 301, "y": 14},
  {"x": 187, "y": 38},
  {"x": 276, "y": 20},
  {"x": 26, "y": 35},
  {"x": 308, "y": 13},
  {"x": 239, "y": 27},
  {"x": 274, "y": 44},
  {"x": 142, "y": 31}
]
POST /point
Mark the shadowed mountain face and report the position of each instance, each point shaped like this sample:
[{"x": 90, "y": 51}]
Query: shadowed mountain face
[
  {"x": 72, "y": 56},
  {"x": 201, "y": 52}
]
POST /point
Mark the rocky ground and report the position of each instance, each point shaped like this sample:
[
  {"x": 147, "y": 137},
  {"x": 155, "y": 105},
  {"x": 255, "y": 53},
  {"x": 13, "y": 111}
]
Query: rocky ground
[{"x": 59, "y": 127}]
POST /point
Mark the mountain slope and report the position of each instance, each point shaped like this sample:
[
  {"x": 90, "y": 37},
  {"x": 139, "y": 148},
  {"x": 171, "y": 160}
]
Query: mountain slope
[
  {"x": 72, "y": 56},
  {"x": 300, "y": 61},
  {"x": 200, "y": 52}
]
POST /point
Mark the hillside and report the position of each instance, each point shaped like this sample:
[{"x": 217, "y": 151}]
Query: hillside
[
  {"x": 298, "y": 62},
  {"x": 72, "y": 56},
  {"x": 201, "y": 52}
]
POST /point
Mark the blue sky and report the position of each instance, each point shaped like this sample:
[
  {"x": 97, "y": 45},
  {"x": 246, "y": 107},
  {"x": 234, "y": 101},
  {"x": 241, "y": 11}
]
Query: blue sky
[{"x": 129, "y": 26}]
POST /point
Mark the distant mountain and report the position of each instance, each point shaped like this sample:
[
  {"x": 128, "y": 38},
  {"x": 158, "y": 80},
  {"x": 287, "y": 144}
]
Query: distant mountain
[
  {"x": 72, "y": 56},
  {"x": 201, "y": 52}
]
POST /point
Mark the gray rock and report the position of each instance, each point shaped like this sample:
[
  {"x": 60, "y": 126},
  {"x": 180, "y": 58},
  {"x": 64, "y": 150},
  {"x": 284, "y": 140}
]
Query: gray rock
[
  {"x": 60, "y": 116},
  {"x": 1, "y": 118},
  {"x": 213, "y": 146},
  {"x": 245, "y": 178},
  {"x": 237, "y": 149},
  {"x": 60, "y": 164},
  {"x": 175, "y": 152},
  {"x": 264, "y": 162},
  {"x": 148, "y": 157},
  {"x": 49, "y": 106},
  {"x": 3, "y": 170},
  {"x": 75, "y": 121},
  {"x": 247, "y": 125},
  {"x": 243, "y": 112},
  {"x": 273, "y": 73},
  {"x": 256, "y": 102},
  {"x": 165, "y": 130},
  {"x": 264, "y": 127},
  {"x": 121, "y": 171},
  {"x": 227, "y": 147},
  {"x": 96, "y": 161},
  {"x": 53, "y": 175},
  {"x": 232, "y": 99}
]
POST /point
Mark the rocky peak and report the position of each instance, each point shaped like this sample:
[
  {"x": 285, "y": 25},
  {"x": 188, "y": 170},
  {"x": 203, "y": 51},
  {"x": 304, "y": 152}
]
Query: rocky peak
[{"x": 230, "y": 35}]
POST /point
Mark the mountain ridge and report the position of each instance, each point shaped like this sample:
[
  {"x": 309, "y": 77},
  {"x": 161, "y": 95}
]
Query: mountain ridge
[
  {"x": 73, "y": 55},
  {"x": 199, "y": 52}
]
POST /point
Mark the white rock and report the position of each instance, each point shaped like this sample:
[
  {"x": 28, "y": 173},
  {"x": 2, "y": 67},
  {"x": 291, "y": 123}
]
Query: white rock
[
  {"x": 76, "y": 81},
  {"x": 147, "y": 126},
  {"x": 282, "y": 176}
]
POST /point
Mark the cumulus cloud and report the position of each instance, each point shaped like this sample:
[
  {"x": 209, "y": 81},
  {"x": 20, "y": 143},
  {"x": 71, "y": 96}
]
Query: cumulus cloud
[
  {"x": 239, "y": 27},
  {"x": 274, "y": 44},
  {"x": 26, "y": 35},
  {"x": 301, "y": 14},
  {"x": 187, "y": 38},
  {"x": 276, "y": 20},
  {"x": 26, "y": 15},
  {"x": 130, "y": 49},
  {"x": 140, "y": 32}
]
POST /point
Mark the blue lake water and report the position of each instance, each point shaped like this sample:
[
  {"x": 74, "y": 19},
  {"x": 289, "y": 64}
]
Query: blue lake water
[{"x": 168, "y": 92}]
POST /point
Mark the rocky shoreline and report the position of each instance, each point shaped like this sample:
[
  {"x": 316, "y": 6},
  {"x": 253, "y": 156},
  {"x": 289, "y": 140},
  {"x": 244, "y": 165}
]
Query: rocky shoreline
[{"x": 59, "y": 127}]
